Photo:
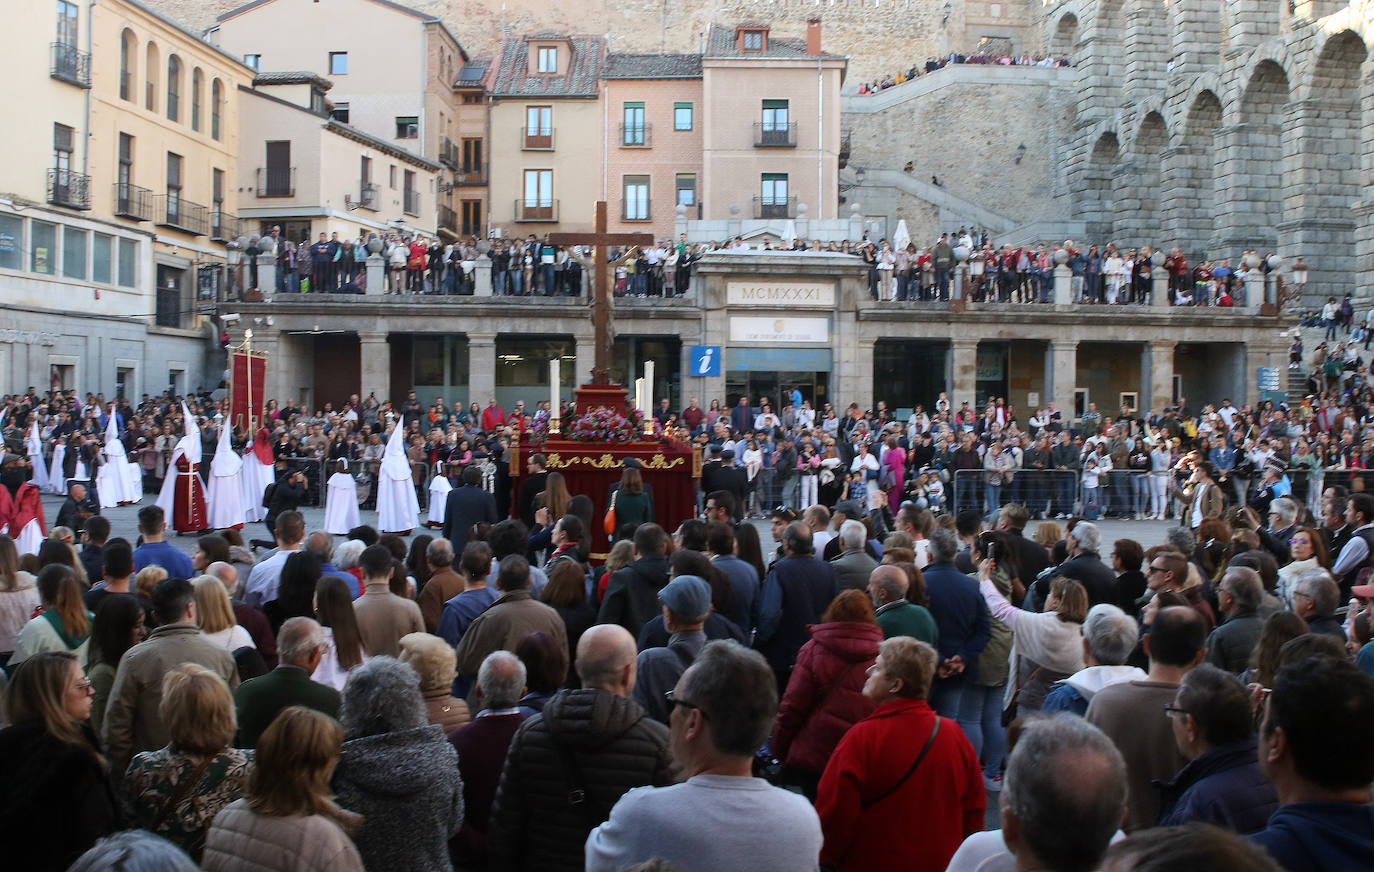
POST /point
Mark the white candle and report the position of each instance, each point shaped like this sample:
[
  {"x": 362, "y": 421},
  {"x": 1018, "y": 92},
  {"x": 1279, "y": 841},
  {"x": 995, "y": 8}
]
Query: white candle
[
  {"x": 555, "y": 376},
  {"x": 648, "y": 387},
  {"x": 639, "y": 394}
]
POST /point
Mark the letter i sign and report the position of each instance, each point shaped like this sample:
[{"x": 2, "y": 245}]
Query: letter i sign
[{"x": 705, "y": 360}]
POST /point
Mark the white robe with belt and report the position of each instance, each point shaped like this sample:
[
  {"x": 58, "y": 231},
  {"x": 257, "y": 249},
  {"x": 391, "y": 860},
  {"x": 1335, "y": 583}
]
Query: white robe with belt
[{"x": 341, "y": 504}]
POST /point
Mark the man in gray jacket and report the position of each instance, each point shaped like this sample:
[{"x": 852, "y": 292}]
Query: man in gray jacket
[{"x": 132, "y": 722}]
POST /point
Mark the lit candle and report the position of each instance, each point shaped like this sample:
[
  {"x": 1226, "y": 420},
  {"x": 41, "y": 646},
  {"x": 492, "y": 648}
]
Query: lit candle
[
  {"x": 648, "y": 397},
  {"x": 555, "y": 375}
]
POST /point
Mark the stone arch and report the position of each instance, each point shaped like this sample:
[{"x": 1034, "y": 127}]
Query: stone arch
[
  {"x": 1322, "y": 146},
  {"x": 1188, "y": 184},
  {"x": 1065, "y": 35},
  {"x": 1251, "y": 153},
  {"x": 128, "y": 65},
  {"x": 1099, "y": 186},
  {"x": 1138, "y": 199}
]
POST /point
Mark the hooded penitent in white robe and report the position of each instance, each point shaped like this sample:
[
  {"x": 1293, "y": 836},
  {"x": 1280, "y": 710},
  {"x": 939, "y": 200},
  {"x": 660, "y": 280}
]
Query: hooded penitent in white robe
[
  {"x": 438, "y": 497},
  {"x": 111, "y": 483},
  {"x": 397, "y": 505},
  {"x": 225, "y": 494},
  {"x": 341, "y": 504},
  {"x": 33, "y": 447},
  {"x": 259, "y": 471}
]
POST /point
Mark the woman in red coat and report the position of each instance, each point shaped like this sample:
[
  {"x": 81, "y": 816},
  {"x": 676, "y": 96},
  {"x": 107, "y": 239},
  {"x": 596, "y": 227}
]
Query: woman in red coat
[
  {"x": 825, "y": 696},
  {"x": 903, "y": 788}
]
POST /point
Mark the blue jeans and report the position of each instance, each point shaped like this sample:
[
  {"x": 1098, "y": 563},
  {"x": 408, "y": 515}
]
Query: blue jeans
[
  {"x": 790, "y": 490},
  {"x": 992, "y": 494},
  {"x": 548, "y": 272},
  {"x": 942, "y": 283},
  {"x": 947, "y": 695},
  {"x": 1066, "y": 481},
  {"x": 1140, "y": 491},
  {"x": 980, "y": 717},
  {"x": 517, "y": 283},
  {"x": 965, "y": 492}
]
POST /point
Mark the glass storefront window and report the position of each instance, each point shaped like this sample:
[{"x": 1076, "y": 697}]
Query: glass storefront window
[
  {"x": 128, "y": 263},
  {"x": 102, "y": 256},
  {"x": 74, "y": 253},
  {"x": 11, "y": 242},
  {"x": 907, "y": 372},
  {"x": 42, "y": 247}
]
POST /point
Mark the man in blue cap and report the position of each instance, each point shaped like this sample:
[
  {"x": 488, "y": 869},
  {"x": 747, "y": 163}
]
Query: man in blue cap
[{"x": 686, "y": 602}]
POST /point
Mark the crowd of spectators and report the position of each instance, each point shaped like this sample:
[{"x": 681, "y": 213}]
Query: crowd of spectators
[{"x": 932, "y": 64}]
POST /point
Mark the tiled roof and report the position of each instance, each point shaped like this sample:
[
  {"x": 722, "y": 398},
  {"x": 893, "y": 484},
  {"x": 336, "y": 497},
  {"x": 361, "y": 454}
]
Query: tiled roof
[
  {"x": 292, "y": 77},
  {"x": 512, "y": 78},
  {"x": 652, "y": 66},
  {"x": 720, "y": 43}
]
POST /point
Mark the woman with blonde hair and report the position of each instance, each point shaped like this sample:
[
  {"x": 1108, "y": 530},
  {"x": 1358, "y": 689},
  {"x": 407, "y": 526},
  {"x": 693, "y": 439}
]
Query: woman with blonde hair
[
  {"x": 18, "y": 598},
  {"x": 289, "y": 821},
  {"x": 432, "y": 659},
  {"x": 215, "y": 615},
  {"x": 177, "y": 791},
  {"x": 147, "y": 578},
  {"x": 64, "y": 624},
  {"x": 57, "y": 799},
  {"x": 622, "y": 555}
]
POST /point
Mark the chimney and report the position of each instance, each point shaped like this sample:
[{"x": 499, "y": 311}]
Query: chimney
[{"x": 813, "y": 37}]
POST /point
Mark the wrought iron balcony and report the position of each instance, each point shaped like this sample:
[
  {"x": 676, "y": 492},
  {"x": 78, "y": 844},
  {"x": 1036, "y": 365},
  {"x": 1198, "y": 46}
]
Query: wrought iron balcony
[
  {"x": 536, "y": 209},
  {"x": 636, "y": 135},
  {"x": 368, "y": 195},
  {"x": 178, "y": 213},
  {"x": 448, "y": 219},
  {"x": 470, "y": 173},
  {"x": 276, "y": 181},
  {"x": 66, "y": 188},
  {"x": 224, "y": 226},
  {"x": 775, "y": 207},
  {"x": 448, "y": 153},
  {"x": 134, "y": 202},
  {"x": 70, "y": 65},
  {"x": 774, "y": 135}
]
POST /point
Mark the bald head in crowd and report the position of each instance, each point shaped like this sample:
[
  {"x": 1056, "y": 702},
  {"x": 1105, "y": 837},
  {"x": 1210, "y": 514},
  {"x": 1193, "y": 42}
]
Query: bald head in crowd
[
  {"x": 227, "y": 575},
  {"x": 606, "y": 659},
  {"x": 887, "y": 584}
]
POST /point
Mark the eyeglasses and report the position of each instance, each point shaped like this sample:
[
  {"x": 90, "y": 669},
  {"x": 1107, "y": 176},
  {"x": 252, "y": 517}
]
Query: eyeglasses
[
  {"x": 674, "y": 702},
  {"x": 83, "y": 686},
  {"x": 1156, "y": 569},
  {"x": 1170, "y": 710}
]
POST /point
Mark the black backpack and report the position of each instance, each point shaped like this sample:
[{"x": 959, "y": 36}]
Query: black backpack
[{"x": 268, "y": 494}]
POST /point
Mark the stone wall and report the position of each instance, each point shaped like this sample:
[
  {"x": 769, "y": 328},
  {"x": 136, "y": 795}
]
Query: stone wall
[{"x": 881, "y": 37}]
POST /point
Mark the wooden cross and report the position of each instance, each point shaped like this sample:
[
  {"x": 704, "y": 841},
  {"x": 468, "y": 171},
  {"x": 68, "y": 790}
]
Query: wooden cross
[{"x": 600, "y": 240}]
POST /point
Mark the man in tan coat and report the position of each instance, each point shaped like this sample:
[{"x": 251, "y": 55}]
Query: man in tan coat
[
  {"x": 132, "y": 722},
  {"x": 383, "y": 617},
  {"x": 444, "y": 584},
  {"x": 1201, "y": 495},
  {"x": 508, "y": 620}
]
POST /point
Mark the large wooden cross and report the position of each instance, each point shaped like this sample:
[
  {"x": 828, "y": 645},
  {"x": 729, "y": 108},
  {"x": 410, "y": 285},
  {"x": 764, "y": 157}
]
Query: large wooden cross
[{"x": 601, "y": 283}]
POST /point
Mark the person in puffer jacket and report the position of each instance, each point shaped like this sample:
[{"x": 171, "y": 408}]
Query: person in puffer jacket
[
  {"x": 397, "y": 770},
  {"x": 569, "y": 765},
  {"x": 824, "y": 696}
]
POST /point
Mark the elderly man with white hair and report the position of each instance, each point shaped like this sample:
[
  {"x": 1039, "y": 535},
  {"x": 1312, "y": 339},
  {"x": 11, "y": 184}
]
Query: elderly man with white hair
[
  {"x": 1239, "y": 596},
  {"x": 1283, "y": 523},
  {"x": 1109, "y": 637},
  {"x": 249, "y": 617},
  {"x": 1085, "y": 564},
  {"x": 853, "y": 565}
]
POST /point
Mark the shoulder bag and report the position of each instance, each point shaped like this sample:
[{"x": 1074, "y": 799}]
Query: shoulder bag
[{"x": 930, "y": 740}]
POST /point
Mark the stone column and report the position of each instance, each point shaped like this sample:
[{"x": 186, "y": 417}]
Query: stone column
[
  {"x": 376, "y": 275},
  {"x": 1159, "y": 288},
  {"x": 482, "y": 279},
  {"x": 267, "y": 273},
  {"x": 1157, "y": 374},
  {"x": 1146, "y": 48},
  {"x": 482, "y": 367},
  {"x": 374, "y": 359},
  {"x": 584, "y": 346},
  {"x": 963, "y": 371},
  {"x": 1184, "y": 209},
  {"x": 1063, "y": 285},
  {"x": 1061, "y": 372}
]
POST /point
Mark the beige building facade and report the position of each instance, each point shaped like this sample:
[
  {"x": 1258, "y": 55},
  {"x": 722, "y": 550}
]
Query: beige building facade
[{"x": 120, "y": 192}]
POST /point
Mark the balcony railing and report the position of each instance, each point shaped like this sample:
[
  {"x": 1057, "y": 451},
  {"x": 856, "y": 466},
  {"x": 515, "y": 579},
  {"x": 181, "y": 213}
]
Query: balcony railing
[
  {"x": 134, "y": 202},
  {"x": 66, "y": 188},
  {"x": 178, "y": 213},
  {"x": 448, "y": 219},
  {"x": 535, "y": 209},
  {"x": 368, "y": 195},
  {"x": 224, "y": 226},
  {"x": 634, "y": 210},
  {"x": 774, "y": 135},
  {"x": 70, "y": 65},
  {"x": 775, "y": 207},
  {"x": 536, "y": 138},
  {"x": 470, "y": 173},
  {"x": 412, "y": 203},
  {"x": 635, "y": 135},
  {"x": 276, "y": 181},
  {"x": 448, "y": 153}
]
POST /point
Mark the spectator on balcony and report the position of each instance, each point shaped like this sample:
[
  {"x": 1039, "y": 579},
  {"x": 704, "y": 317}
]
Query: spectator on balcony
[
  {"x": 415, "y": 266},
  {"x": 397, "y": 255},
  {"x": 434, "y": 257},
  {"x": 319, "y": 262}
]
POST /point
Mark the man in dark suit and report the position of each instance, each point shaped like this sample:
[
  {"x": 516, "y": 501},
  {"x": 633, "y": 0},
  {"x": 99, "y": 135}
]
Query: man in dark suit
[
  {"x": 795, "y": 593},
  {"x": 77, "y": 508},
  {"x": 467, "y": 505},
  {"x": 300, "y": 645},
  {"x": 530, "y": 487},
  {"x": 735, "y": 480},
  {"x": 713, "y": 473},
  {"x": 741, "y": 416}
]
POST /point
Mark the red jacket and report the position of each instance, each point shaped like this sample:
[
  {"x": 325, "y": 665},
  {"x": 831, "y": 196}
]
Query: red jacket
[
  {"x": 492, "y": 417},
  {"x": 919, "y": 826},
  {"x": 824, "y": 697}
]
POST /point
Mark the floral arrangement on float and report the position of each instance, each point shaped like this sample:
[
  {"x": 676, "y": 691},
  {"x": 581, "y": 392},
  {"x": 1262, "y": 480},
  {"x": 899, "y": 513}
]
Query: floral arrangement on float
[{"x": 602, "y": 425}]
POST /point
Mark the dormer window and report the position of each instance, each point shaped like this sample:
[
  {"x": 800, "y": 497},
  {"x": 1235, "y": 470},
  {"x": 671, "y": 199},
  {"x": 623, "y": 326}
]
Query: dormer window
[
  {"x": 752, "y": 40},
  {"x": 547, "y": 59}
]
